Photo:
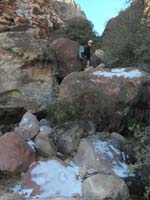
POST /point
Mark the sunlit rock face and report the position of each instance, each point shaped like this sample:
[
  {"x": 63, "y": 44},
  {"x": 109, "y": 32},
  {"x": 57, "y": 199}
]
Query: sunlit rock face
[
  {"x": 108, "y": 95},
  {"x": 19, "y": 15},
  {"x": 26, "y": 76},
  {"x": 68, "y": 9}
]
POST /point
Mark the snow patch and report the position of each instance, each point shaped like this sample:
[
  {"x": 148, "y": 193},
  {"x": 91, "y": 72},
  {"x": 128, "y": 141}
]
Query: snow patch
[
  {"x": 24, "y": 120},
  {"x": 26, "y": 192},
  {"x": 30, "y": 125},
  {"x": 42, "y": 128},
  {"x": 16, "y": 189},
  {"x": 119, "y": 72},
  {"x": 31, "y": 144},
  {"x": 103, "y": 147},
  {"x": 56, "y": 180},
  {"x": 120, "y": 168}
]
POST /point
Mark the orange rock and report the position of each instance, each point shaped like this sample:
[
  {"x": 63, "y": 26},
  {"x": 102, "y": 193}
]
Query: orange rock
[{"x": 17, "y": 20}]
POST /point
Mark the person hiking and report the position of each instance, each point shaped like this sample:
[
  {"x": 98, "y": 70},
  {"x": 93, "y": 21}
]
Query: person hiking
[{"x": 85, "y": 54}]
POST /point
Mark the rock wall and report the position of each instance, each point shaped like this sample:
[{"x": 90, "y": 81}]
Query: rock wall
[
  {"x": 68, "y": 9},
  {"x": 38, "y": 16},
  {"x": 26, "y": 14},
  {"x": 138, "y": 5},
  {"x": 28, "y": 67},
  {"x": 26, "y": 75}
]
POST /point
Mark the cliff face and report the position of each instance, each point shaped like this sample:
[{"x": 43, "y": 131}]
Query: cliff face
[
  {"x": 27, "y": 67},
  {"x": 67, "y": 9},
  {"x": 138, "y": 5},
  {"x": 21, "y": 15},
  {"x": 40, "y": 16}
]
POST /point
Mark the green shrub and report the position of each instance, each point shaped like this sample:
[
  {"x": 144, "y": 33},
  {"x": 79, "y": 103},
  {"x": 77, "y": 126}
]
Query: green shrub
[
  {"x": 65, "y": 110},
  {"x": 80, "y": 108},
  {"x": 142, "y": 149},
  {"x": 128, "y": 43}
]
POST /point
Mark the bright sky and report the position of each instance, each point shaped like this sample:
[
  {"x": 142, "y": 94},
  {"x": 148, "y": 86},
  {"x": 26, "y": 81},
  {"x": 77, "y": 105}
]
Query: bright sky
[{"x": 100, "y": 11}]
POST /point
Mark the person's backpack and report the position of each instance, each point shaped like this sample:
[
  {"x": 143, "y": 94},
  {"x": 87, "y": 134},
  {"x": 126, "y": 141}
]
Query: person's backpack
[{"x": 81, "y": 52}]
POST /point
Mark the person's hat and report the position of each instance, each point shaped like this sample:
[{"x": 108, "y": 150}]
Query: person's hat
[{"x": 90, "y": 41}]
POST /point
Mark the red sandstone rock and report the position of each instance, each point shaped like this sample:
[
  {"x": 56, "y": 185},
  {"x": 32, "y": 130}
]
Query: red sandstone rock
[
  {"x": 67, "y": 56},
  {"x": 15, "y": 154}
]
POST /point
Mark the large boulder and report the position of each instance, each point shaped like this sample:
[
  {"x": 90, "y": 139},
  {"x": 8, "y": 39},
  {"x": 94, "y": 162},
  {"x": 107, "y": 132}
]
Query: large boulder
[
  {"x": 102, "y": 187},
  {"x": 109, "y": 96},
  {"x": 29, "y": 126},
  {"x": 67, "y": 56},
  {"x": 27, "y": 79},
  {"x": 15, "y": 154},
  {"x": 97, "y": 58}
]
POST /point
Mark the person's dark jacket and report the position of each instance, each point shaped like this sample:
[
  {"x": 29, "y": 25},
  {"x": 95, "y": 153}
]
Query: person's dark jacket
[{"x": 87, "y": 52}]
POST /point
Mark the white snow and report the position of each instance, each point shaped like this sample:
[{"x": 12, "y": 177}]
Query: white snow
[
  {"x": 30, "y": 125},
  {"x": 42, "y": 128},
  {"x": 31, "y": 144},
  {"x": 26, "y": 192},
  {"x": 17, "y": 188},
  {"x": 119, "y": 72},
  {"x": 120, "y": 168},
  {"x": 103, "y": 147},
  {"x": 56, "y": 180},
  {"x": 24, "y": 120},
  {"x": 117, "y": 151},
  {"x": 92, "y": 171}
]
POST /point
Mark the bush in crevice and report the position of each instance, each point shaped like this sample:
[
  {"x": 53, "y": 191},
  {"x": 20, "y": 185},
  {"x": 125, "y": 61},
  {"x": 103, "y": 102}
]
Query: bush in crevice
[
  {"x": 65, "y": 110},
  {"x": 81, "y": 108}
]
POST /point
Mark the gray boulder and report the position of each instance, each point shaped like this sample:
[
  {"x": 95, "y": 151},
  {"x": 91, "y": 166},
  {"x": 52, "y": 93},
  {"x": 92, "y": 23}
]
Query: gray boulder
[
  {"x": 67, "y": 136},
  {"x": 43, "y": 142},
  {"x": 102, "y": 187}
]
